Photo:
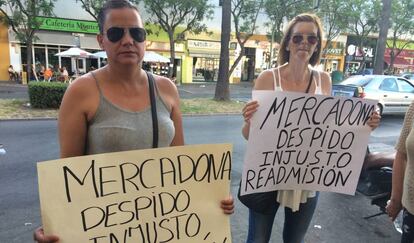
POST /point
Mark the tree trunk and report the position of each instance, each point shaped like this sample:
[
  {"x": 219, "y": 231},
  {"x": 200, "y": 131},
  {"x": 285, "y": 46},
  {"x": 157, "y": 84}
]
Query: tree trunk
[
  {"x": 29, "y": 55},
  {"x": 222, "y": 87},
  {"x": 384, "y": 25},
  {"x": 171, "y": 69},
  {"x": 236, "y": 62}
]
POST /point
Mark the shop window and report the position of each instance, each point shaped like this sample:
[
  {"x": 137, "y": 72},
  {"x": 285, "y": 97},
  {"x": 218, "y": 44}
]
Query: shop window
[
  {"x": 157, "y": 68},
  {"x": 52, "y": 59},
  {"x": 205, "y": 69},
  {"x": 23, "y": 51},
  {"x": 40, "y": 56}
]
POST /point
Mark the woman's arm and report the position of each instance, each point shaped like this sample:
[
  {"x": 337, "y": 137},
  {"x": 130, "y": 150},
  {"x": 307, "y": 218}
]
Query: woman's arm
[
  {"x": 73, "y": 118},
  {"x": 326, "y": 83},
  {"x": 169, "y": 93},
  {"x": 72, "y": 123},
  {"x": 398, "y": 171},
  {"x": 263, "y": 82},
  {"x": 176, "y": 116}
]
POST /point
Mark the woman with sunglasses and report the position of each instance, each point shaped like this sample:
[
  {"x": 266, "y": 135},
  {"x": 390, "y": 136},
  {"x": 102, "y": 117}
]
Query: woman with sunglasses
[
  {"x": 299, "y": 51},
  {"x": 111, "y": 108}
]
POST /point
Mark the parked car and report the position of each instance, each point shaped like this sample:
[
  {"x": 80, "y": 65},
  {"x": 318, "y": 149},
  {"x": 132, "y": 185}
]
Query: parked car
[
  {"x": 394, "y": 94},
  {"x": 408, "y": 76}
]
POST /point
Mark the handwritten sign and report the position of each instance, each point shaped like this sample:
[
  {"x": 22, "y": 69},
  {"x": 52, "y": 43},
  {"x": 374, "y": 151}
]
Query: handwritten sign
[
  {"x": 302, "y": 141},
  {"x": 155, "y": 195}
]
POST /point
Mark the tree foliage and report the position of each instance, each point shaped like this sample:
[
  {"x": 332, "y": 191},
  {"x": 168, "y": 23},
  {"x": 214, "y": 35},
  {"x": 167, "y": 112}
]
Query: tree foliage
[
  {"x": 362, "y": 20},
  {"x": 21, "y": 15},
  {"x": 278, "y": 13},
  {"x": 92, "y": 7},
  {"x": 245, "y": 14},
  {"x": 335, "y": 19},
  {"x": 169, "y": 14},
  {"x": 402, "y": 27}
]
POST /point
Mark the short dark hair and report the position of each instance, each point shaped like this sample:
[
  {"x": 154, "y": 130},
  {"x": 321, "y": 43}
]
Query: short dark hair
[
  {"x": 109, "y": 5},
  {"x": 305, "y": 17}
]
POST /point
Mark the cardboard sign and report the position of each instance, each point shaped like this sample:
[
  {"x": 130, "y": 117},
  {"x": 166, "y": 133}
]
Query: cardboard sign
[
  {"x": 156, "y": 195},
  {"x": 309, "y": 142}
]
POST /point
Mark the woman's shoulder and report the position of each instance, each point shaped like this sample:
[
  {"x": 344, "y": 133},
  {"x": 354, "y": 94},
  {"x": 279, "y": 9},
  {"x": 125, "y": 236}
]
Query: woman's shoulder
[
  {"x": 165, "y": 85},
  {"x": 265, "y": 80},
  {"x": 82, "y": 86}
]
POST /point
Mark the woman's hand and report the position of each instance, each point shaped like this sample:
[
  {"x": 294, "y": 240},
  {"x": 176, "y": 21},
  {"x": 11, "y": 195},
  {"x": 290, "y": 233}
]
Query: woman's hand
[
  {"x": 228, "y": 205},
  {"x": 374, "y": 120},
  {"x": 393, "y": 208},
  {"x": 39, "y": 236},
  {"x": 249, "y": 109}
]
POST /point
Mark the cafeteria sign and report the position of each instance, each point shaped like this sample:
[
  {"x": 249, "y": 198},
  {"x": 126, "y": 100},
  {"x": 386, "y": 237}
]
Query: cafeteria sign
[{"x": 68, "y": 25}]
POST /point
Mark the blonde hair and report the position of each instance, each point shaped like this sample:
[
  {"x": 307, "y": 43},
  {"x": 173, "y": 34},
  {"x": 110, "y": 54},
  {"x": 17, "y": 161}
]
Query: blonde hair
[{"x": 283, "y": 56}]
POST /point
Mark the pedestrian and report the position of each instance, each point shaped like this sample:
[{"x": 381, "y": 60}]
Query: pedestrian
[
  {"x": 402, "y": 194},
  {"x": 109, "y": 109},
  {"x": 299, "y": 53},
  {"x": 13, "y": 75},
  {"x": 48, "y": 73}
]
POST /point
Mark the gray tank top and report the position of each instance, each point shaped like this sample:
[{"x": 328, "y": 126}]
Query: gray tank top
[{"x": 114, "y": 129}]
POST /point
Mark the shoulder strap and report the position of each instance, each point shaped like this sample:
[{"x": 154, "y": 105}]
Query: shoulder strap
[
  {"x": 151, "y": 84},
  {"x": 274, "y": 79},
  {"x": 97, "y": 83},
  {"x": 319, "y": 79},
  {"x": 310, "y": 81}
]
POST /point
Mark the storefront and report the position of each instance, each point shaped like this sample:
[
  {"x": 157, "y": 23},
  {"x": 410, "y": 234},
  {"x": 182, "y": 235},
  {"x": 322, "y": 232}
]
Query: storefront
[
  {"x": 56, "y": 35},
  {"x": 256, "y": 58},
  {"x": 4, "y": 52},
  {"x": 203, "y": 58},
  {"x": 404, "y": 62},
  {"x": 357, "y": 59},
  {"x": 161, "y": 46},
  {"x": 333, "y": 57}
]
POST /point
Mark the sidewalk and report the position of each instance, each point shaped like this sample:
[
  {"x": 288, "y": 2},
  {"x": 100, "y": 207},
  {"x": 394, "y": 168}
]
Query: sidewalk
[{"x": 241, "y": 91}]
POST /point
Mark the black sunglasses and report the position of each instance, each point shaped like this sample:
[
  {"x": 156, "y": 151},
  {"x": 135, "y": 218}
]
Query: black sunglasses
[
  {"x": 115, "y": 34},
  {"x": 312, "y": 39}
]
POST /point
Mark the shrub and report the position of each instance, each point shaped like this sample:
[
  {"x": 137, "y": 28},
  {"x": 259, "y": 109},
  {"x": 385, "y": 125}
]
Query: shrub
[{"x": 46, "y": 94}]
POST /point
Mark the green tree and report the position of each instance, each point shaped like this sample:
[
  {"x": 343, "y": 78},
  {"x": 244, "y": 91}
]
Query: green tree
[
  {"x": 222, "y": 88},
  {"x": 362, "y": 21},
  {"x": 278, "y": 13},
  {"x": 169, "y": 14},
  {"x": 244, "y": 13},
  {"x": 92, "y": 7},
  {"x": 21, "y": 15},
  {"x": 335, "y": 20},
  {"x": 402, "y": 27}
]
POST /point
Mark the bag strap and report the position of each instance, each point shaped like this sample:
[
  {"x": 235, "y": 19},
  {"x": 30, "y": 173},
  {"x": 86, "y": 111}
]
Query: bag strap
[
  {"x": 310, "y": 81},
  {"x": 151, "y": 83}
]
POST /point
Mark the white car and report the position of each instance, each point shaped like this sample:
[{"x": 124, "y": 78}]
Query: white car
[{"x": 394, "y": 93}]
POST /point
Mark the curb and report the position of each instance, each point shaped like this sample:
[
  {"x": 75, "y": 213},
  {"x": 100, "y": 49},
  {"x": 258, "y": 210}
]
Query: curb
[
  {"x": 55, "y": 118},
  {"x": 29, "y": 119}
]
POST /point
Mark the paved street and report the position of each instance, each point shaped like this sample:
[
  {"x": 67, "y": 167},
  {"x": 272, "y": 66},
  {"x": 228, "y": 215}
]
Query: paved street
[
  {"x": 242, "y": 91},
  {"x": 338, "y": 219}
]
